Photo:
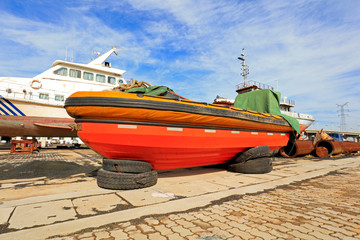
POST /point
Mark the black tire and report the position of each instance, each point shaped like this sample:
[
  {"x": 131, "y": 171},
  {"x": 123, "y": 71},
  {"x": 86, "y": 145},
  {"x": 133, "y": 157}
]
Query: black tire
[
  {"x": 126, "y": 166},
  {"x": 253, "y": 166},
  {"x": 252, "y": 153},
  {"x": 125, "y": 181}
]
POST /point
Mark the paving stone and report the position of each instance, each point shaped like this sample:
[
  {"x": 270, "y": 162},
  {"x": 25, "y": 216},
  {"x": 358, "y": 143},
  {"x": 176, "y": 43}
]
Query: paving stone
[
  {"x": 300, "y": 235},
  {"x": 280, "y": 228},
  {"x": 320, "y": 235},
  {"x": 278, "y": 234},
  {"x": 203, "y": 217},
  {"x": 119, "y": 234},
  {"x": 352, "y": 228},
  {"x": 167, "y": 222},
  {"x": 222, "y": 226},
  {"x": 85, "y": 238},
  {"x": 219, "y": 218},
  {"x": 182, "y": 231},
  {"x": 219, "y": 233},
  {"x": 316, "y": 228},
  {"x": 185, "y": 224},
  {"x": 346, "y": 232},
  {"x": 146, "y": 228},
  {"x": 85, "y": 235},
  {"x": 174, "y": 236},
  {"x": 93, "y": 204},
  {"x": 5, "y": 214},
  {"x": 187, "y": 216},
  {"x": 202, "y": 224},
  {"x": 163, "y": 230},
  {"x": 41, "y": 214},
  {"x": 262, "y": 235},
  {"x": 102, "y": 235},
  {"x": 138, "y": 235},
  {"x": 130, "y": 228},
  {"x": 156, "y": 236},
  {"x": 240, "y": 234},
  {"x": 189, "y": 188},
  {"x": 321, "y": 208},
  {"x": 196, "y": 230},
  {"x": 295, "y": 227},
  {"x": 142, "y": 197},
  {"x": 174, "y": 217},
  {"x": 344, "y": 237},
  {"x": 151, "y": 221}
]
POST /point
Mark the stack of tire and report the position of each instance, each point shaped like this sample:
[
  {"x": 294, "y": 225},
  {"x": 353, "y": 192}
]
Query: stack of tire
[
  {"x": 255, "y": 160},
  {"x": 126, "y": 174}
]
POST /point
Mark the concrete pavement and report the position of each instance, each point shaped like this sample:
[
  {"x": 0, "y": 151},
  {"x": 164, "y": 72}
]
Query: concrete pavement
[{"x": 193, "y": 203}]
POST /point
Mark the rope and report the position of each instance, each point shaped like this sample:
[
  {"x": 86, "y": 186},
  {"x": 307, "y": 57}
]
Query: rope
[{"x": 134, "y": 83}]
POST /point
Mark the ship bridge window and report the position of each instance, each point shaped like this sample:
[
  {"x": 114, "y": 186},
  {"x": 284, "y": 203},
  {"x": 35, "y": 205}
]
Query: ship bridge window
[
  {"x": 75, "y": 73},
  {"x": 44, "y": 96},
  {"x": 59, "y": 98},
  {"x": 88, "y": 76},
  {"x": 100, "y": 78},
  {"x": 61, "y": 71},
  {"x": 111, "y": 80}
]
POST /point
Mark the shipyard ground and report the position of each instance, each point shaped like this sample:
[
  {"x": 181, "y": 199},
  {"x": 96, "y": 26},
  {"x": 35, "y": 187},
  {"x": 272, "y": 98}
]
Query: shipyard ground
[{"x": 54, "y": 195}]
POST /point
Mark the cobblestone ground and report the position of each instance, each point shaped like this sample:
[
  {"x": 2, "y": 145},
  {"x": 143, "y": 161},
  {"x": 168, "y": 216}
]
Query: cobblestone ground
[{"x": 321, "y": 208}]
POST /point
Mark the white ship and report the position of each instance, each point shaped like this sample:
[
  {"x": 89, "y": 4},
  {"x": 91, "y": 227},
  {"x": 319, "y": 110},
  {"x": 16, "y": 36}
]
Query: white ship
[
  {"x": 304, "y": 119},
  {"x": 35, "y": 106}
]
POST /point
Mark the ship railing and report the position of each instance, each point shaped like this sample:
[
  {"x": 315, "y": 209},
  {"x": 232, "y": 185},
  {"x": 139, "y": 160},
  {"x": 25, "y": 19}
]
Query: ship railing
[
  {"x": 288, "y": 101},
  {"x": 45, "y": 96},
  {"x": 254, "y": 83}
]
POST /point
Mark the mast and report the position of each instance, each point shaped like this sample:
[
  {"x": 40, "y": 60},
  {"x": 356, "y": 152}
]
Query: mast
[{"x": 244, "y": 67}]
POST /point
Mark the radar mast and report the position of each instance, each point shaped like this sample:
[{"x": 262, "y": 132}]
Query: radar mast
[{"x": 244, "y": 67}]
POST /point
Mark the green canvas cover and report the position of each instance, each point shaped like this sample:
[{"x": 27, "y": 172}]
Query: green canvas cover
[
  {"x": 152, "y": 90},
  {"x": 265, "y": 101}
]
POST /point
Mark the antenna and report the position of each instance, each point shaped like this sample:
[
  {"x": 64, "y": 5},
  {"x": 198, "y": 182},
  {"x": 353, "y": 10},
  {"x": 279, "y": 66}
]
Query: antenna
[
  {"x": 244, "y": 67},
  {"x": 342, "y": 116},
  {"x": 72, "y": 57}
]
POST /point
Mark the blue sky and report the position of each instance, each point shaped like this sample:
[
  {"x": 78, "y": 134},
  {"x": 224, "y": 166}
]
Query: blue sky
[{"x": 310, "y": 49}]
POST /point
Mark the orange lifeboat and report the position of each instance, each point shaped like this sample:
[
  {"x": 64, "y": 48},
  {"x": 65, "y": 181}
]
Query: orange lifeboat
[{"x": 171, "y": 132}]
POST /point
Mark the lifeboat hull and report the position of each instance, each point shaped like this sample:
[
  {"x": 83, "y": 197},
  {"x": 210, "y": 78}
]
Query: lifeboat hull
[{"x": 170, "y": 147}]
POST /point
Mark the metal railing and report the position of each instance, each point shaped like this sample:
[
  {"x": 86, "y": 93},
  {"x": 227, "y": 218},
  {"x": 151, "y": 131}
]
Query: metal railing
[{"x": 254, "y": 83}]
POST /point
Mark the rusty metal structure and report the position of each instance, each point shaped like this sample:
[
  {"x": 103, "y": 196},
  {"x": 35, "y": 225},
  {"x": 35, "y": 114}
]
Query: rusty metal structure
[
  {"x": 336, "y": 147},
  {"x": 328, "y": 148},
  {"x": 322, "y": 149},
  {"x": 300, "y": 148},
  {"x": 24, "y": 146}
]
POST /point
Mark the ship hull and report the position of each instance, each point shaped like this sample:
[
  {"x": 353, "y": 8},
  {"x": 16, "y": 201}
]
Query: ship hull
[
  {"x": 31, "y": 119},
  {"x": 25, "y": 126},
  {"x": 173, "y": 147}
]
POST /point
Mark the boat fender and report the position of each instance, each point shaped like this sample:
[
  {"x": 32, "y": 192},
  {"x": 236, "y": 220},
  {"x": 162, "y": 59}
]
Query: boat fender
[
  {"x": 253, "y": 166},
  {"x": 126, "y": 181},
  {"x": 36, "y": 84},
  {"x": 126, "y": 166},
  {"x": 252, "y": 153}
]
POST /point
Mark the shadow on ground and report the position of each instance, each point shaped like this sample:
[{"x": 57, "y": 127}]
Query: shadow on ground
[{"x": 49, "y": 169}]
